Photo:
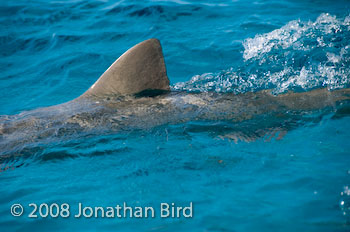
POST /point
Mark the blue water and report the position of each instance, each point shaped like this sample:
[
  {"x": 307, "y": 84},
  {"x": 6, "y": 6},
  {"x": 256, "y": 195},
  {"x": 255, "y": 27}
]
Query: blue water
[{"x": 52, "y": 51}]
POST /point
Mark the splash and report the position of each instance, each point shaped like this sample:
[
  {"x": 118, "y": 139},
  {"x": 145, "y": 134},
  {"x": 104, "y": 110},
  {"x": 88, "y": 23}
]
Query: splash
[
  {"x": 298, "y": 56},
  {"x": 345, "y": 203}
]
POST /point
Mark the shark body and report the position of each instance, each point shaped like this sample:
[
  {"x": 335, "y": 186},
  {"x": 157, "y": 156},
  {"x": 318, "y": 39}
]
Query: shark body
[{"x": 134, "y": 93}]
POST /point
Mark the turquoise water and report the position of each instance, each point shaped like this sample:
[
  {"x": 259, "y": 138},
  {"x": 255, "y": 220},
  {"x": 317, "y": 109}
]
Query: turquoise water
[{"x": 52, "y": 51}]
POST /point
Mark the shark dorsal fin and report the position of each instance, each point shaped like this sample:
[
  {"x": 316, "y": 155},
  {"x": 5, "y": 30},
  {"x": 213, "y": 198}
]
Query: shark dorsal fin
[{"x": 139, "y": 69}]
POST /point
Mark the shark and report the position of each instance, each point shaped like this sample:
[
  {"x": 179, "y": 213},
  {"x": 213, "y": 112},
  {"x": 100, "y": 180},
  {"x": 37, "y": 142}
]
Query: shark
[{"x": 134, "y": 94}]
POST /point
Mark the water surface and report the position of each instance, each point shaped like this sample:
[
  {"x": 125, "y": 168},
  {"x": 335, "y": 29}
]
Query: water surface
[{"x": 52, "y": 51}]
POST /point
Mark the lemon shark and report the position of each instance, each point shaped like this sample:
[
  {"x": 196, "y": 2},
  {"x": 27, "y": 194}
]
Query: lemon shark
[{"x": 134, "y": 93}]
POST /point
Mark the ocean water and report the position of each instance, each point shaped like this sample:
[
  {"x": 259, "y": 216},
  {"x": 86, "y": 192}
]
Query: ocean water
[{"x": 294, "y": 178}]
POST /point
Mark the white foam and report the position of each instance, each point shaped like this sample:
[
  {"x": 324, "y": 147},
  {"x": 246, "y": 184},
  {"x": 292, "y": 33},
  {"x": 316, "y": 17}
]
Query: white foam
[{"x": 300, "y": 55}]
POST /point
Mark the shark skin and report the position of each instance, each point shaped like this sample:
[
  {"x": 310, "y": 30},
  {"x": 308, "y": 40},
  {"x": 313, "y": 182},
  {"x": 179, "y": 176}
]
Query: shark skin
[{"x": 134, "y": 94}]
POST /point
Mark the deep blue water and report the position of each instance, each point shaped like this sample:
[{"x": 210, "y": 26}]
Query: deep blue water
[{"x": 52, "y": 51}]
